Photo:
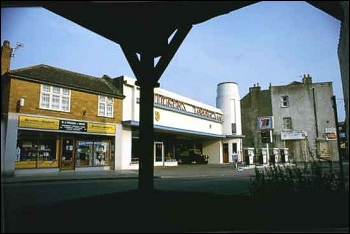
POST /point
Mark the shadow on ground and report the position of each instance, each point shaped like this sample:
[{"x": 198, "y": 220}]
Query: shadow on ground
[{"x": 183, "y": 212}]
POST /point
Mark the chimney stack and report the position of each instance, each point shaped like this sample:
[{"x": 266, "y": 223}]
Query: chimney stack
[
  {"x": 307, "y": 79},
  {"x": 6, "y": 53},
  {"x": 256, "y": 87}
]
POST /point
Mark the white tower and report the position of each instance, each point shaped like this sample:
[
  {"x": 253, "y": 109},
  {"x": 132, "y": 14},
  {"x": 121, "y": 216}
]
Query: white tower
[{"x": 229, "y": 102}]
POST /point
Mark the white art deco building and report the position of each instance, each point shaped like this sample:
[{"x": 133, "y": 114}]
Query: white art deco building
[{"x": 180, "y": 124}]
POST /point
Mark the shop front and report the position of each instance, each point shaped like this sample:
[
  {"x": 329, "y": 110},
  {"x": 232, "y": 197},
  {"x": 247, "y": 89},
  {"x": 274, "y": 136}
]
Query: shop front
[
  {"x": 74, "y": 145},
  {"x": 170, "y": 144}
]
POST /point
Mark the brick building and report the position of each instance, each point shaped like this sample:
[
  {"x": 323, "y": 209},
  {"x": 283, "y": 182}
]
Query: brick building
[{"x": 57, "y": 119}]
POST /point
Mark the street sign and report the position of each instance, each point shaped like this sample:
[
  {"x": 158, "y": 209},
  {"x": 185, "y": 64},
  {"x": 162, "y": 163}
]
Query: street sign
[{"x": 265, "y": 123}]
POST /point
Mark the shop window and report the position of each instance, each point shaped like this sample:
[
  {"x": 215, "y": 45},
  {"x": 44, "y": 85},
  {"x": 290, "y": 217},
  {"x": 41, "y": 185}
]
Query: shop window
[
  {"x": 105, "y": 106},
  {"x": 54, "y": 98},
  {"x": 36, "y": 151},
  {"x": 92, "y": 153},
  {"x": 101, "y": 153},
  {"x": 84, "y": 153}
]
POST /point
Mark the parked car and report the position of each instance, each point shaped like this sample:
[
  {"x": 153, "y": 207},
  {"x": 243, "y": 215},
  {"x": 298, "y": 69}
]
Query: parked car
[{"x": 192, "y": 155}]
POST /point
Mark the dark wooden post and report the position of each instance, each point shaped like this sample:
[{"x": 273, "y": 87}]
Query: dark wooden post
[
  {"x": 147, "y": 76},
  {"x": 146, "y": 158}
]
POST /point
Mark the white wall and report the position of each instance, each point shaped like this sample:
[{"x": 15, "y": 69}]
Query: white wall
[
  {"x": 118, "y": 150},
  {"x": 124, "y": 145},
  {"x": 3, "y": 145},
  {"x": 213, "y": 148},
  {"x": 10, "y": 145},
  {"x": 177, "y": 120},
  {"x": 129, "y": 102}
]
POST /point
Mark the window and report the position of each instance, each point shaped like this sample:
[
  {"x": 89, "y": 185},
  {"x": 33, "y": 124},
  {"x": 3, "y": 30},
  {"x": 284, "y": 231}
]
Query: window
[
  {"x": 54, "y": 98},
  {"x": 287, "y": 123},
  {"x": 285, "y": 101},
  {"x": 105, "y": 106},
  {"x": 233, "y": 128},
  {"x": 36, "y": 150}
]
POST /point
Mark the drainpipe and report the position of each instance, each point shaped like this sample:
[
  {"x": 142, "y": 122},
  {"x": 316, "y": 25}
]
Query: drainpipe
[{"x": 315, "y": 115}]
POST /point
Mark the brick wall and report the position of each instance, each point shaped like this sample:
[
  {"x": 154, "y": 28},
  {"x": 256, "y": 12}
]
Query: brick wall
[
  {"x": 6, "y": 52},
  {"x": 80, "y": 102}
]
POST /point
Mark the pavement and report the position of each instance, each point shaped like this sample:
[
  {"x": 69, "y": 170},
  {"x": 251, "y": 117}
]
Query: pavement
[{"x": 181, "y": 171}]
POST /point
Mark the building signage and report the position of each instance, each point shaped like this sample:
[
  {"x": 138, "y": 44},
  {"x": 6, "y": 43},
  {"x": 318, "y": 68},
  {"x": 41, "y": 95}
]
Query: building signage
[
  {"x": 101, "y": 128},
  {"x": 265, "y": 123},
  {"x": 169, "y": 102},
  {"x": 330, "y": 130},
  {"x": 207, "y": 113},
  {"x": 75, "y": 126},
  {"x": 293, "y": 135},
  {"x": 182, "y": 106},
  {"x": 65, "y": 125},
  {"x": 37, "y": 122}
]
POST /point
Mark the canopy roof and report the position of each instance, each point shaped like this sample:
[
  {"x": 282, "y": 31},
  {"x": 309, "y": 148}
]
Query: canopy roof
[
  {"x": 140, "y": 25},
  {"x": 147, "y": 24}
]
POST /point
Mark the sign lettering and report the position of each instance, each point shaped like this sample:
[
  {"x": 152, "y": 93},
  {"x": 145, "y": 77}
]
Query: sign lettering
[{"x": 182, "y": 106}]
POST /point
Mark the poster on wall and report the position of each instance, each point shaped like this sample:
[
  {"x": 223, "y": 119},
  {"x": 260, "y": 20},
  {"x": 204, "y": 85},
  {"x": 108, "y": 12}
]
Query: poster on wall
[
  {"x": 331, "y": 133},
  {"x": 323, "y": 149},
  {"x": 101, "y": 153}
]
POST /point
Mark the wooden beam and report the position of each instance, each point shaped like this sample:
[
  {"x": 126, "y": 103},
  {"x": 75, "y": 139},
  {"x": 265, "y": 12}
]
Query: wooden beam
[{"x": 170, "y": 51}]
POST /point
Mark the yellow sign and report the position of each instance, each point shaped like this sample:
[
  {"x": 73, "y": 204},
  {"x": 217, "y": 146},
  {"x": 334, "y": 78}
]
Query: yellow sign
[
  {"x": 101, "y": 128},
  {"x": 36, "y": 122}
]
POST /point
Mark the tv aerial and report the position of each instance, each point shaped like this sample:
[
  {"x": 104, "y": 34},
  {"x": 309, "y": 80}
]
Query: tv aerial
[{"x": 18, "y": 45}]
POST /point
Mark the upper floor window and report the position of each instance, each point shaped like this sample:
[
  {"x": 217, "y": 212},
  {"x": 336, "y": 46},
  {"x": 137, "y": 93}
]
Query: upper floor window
[
  {"x": 287, "y": 123},
  {"x": 54, "y": 98},
  {"x": 285, "y": 101},
  {"x": 105, "y": 106},
  {"x": 233, "y": 128}
]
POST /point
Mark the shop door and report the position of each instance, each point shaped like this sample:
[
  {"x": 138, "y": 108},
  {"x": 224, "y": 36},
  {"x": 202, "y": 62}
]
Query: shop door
[
  {"x": 225, "y": 156},
  {"x": 67, "y": 155},
  {"x": 158, "y": 153}
]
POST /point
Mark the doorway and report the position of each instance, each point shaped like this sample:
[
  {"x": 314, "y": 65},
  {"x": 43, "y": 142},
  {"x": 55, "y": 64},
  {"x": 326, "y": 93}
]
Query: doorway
[
  {"x": 225, "y": 153},
  {"x": 67, "y": 159},
  {"x": 158, "y": 153}
]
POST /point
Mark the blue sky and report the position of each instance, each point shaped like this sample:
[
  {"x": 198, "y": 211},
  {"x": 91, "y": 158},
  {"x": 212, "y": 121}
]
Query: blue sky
[{"x": 268, "y": 42}]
